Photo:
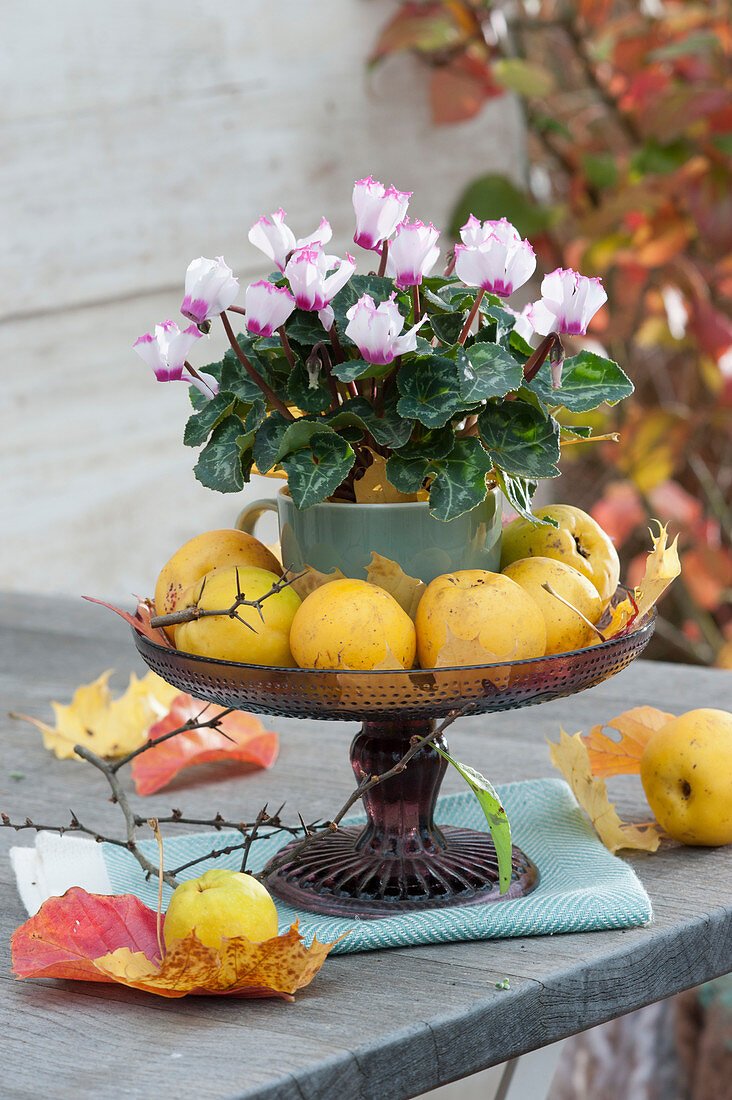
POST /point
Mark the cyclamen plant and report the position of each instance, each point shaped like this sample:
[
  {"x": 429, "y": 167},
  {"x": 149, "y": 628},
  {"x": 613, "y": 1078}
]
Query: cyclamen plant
[{"x": 432, "y": 375}]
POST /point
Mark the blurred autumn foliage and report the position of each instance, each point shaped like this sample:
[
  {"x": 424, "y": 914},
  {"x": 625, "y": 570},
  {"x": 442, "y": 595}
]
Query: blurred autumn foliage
[{"x": 628, "y": 108}]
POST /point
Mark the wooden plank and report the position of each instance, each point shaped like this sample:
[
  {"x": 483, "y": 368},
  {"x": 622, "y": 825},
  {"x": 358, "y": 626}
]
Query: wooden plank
[{"x": 382, "y": 1024}]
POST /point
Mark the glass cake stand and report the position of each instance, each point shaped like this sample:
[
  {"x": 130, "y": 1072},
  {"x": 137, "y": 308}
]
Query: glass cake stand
[{"x": 400, "y": 860}]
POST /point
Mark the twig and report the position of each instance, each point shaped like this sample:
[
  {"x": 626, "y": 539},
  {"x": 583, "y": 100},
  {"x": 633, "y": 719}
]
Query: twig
[
  {"x": 254, "y": 374},
  {"x": 252, "y": 835},
  {"x": 191, "y": 724},
  {"x": 119, "y": 796},
  {"x": 548, "y": 588},
  {"x": 194, "y": 612}
]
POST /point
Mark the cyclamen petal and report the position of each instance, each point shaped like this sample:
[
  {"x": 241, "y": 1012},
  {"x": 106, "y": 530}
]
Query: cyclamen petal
[
  {"x": 210, "y": 288},
  {"x": 267, "y": 307},
  {"x": 568, "y": 303},
  {"x": 498, "y": 261},
  {"x": 413, "y": 253},
  {"x": 378, "y": 211},
  {"x": 166, "y": 352},
  {"x": 273, "y": 237},
  {"x": 375, "y": 330},
  {"x": 307, "y": 273}
]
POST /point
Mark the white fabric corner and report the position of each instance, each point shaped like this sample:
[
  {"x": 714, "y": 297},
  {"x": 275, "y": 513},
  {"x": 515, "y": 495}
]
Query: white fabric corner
[{"x": 55, "y": 864}]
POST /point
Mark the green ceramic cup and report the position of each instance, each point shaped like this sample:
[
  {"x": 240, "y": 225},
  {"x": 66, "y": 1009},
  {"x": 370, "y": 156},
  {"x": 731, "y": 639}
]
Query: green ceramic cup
[{"x": 342, "y": 536}]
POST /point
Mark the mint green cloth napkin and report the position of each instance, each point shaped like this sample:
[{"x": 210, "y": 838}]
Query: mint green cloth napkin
[{"x": 582, "y": 887}]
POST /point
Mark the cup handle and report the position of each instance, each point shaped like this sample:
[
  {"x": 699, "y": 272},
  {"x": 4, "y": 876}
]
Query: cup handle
[{"x": 247, "y": 519}]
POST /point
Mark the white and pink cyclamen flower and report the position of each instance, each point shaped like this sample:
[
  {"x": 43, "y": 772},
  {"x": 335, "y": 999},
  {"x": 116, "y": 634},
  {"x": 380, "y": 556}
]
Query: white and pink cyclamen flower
[
  {"x": 379, "y": 210},
  {"x": 493, "y": 256},
  {"x": 568, "y": 303},
  {"x": 413, "y": 252},
  {"x": 210, "y": 288},
  {"x": 375, "y": 330},
  {"x": 267, "y": 307},
  {"x": 166, "y": 351},
  {"x": 273, "y": 237},
  {"x": 307, "y": 272}
]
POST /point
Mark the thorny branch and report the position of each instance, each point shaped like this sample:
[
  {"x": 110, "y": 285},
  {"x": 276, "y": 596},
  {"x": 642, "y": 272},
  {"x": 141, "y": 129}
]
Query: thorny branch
[
  {"x": 194, "y": 612},
  {"x": 265, "y": 825}
]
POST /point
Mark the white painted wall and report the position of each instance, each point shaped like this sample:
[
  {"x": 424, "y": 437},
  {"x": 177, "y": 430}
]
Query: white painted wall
[{"x": 137, "y": 136}]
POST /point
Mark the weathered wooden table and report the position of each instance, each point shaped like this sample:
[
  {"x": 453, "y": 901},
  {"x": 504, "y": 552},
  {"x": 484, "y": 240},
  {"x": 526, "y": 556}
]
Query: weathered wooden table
[{"x": 376, "y": 1025}]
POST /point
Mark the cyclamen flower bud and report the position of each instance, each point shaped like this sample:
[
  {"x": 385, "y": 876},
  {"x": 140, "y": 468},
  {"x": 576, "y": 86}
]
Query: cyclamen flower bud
[
  {"x": 307, "y": 273},
  {"x": 496, "y": 259},
  {"x": 413, "y": 253},
  {"x": 166, "y": 352},
  {"x": 375, "y": 330},
  {"x": 378, "y": 210},
  {"x": 210, "y": 288},
  {"x": 267, "y": 307},
  {"x": 273, "y": 237},
  {"x": 568, "y": 303}
]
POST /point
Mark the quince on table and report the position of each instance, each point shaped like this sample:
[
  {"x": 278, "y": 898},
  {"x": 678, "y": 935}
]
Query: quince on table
[{"x": 98, "y": 938}]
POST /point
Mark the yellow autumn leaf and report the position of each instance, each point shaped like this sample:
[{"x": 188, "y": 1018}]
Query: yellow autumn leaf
[
  {"x": 276, "y": 967},
  {"x": 636, "y": 727},
  {"x": 308, "y": 579},
  {"x": 109, "y": 727},
  {"x": 662, "y": 567},
  {"x": 373, "y": 487},
  {"x": 387, "y": 574},
  {"x": 570, "y": 756}
]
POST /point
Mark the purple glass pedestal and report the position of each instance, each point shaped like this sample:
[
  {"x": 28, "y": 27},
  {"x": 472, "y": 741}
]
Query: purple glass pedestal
[{"x": 400, "y": 860}]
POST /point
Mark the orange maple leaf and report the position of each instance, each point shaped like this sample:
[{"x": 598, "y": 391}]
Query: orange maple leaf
[{"x": 623, "y": 757}]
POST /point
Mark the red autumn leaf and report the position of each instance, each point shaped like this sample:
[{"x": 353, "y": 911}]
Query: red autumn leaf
[
  {"x": 459, "y": 89},
  {"x": 243, "y": 738},
  {"x": 68, "y": 933},
  {"x": 619, "y": 511},
  {"x": 140, "y": 620},
  {"x": 95, "y": 938},
  {"x": 708, "y": 574}
]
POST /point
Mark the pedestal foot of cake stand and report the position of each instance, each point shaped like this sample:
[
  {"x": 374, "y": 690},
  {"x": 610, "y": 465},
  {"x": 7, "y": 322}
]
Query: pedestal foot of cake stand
[{"x": 400, "y": 861}]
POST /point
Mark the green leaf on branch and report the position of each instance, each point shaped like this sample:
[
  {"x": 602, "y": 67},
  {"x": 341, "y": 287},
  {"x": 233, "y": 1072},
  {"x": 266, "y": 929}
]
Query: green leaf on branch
[
  {"x": 587, "y": 380},
  {"x": 459, "y": 479},
  {"x": 201, "y": 424},
  {"x": 493, "y": 197},
  {"x": 236, "y": 380},
  {"x": 447, "y": 326},
  {"x": 495, "y": 815},
  {"x": 525, "y": 77},
  {"x": 520, "y": 438},
  {"x": 430, "y": 390},
  {"x": 304, "y": 328},
  {"x": 219, "y": 465},
  {"x": 406, "y": 474},
  {"x": 389, "y": 430},
  {"x": 487, "y": 370},
  {"x": 310, "y": 399},
  {"x": 256, "y": 416},
  {"x": 435, "y": 444},
  {"x": 316, "y": 471},
  {"x": 278, "y": 436},
  {"x": 503, "y": 323},
  {"x": 519, "y": 492},
  {"x": 352, "y": 369}
]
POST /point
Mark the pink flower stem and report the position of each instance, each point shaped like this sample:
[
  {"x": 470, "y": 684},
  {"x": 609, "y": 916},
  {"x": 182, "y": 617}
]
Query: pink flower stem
[
  {"x": 415, "y": 298},
  {"x": 194, "y": 372},
  {"x": 253, "y": 374},
  {"x": 450, "y": 263},
  {"x": 471, "y": 317},
  {"x": 237, "y": 309},
  {"x": 532, "y": 365},
  {"x": 384, "y": 254},
  {"x": 286, "y": 346}
]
